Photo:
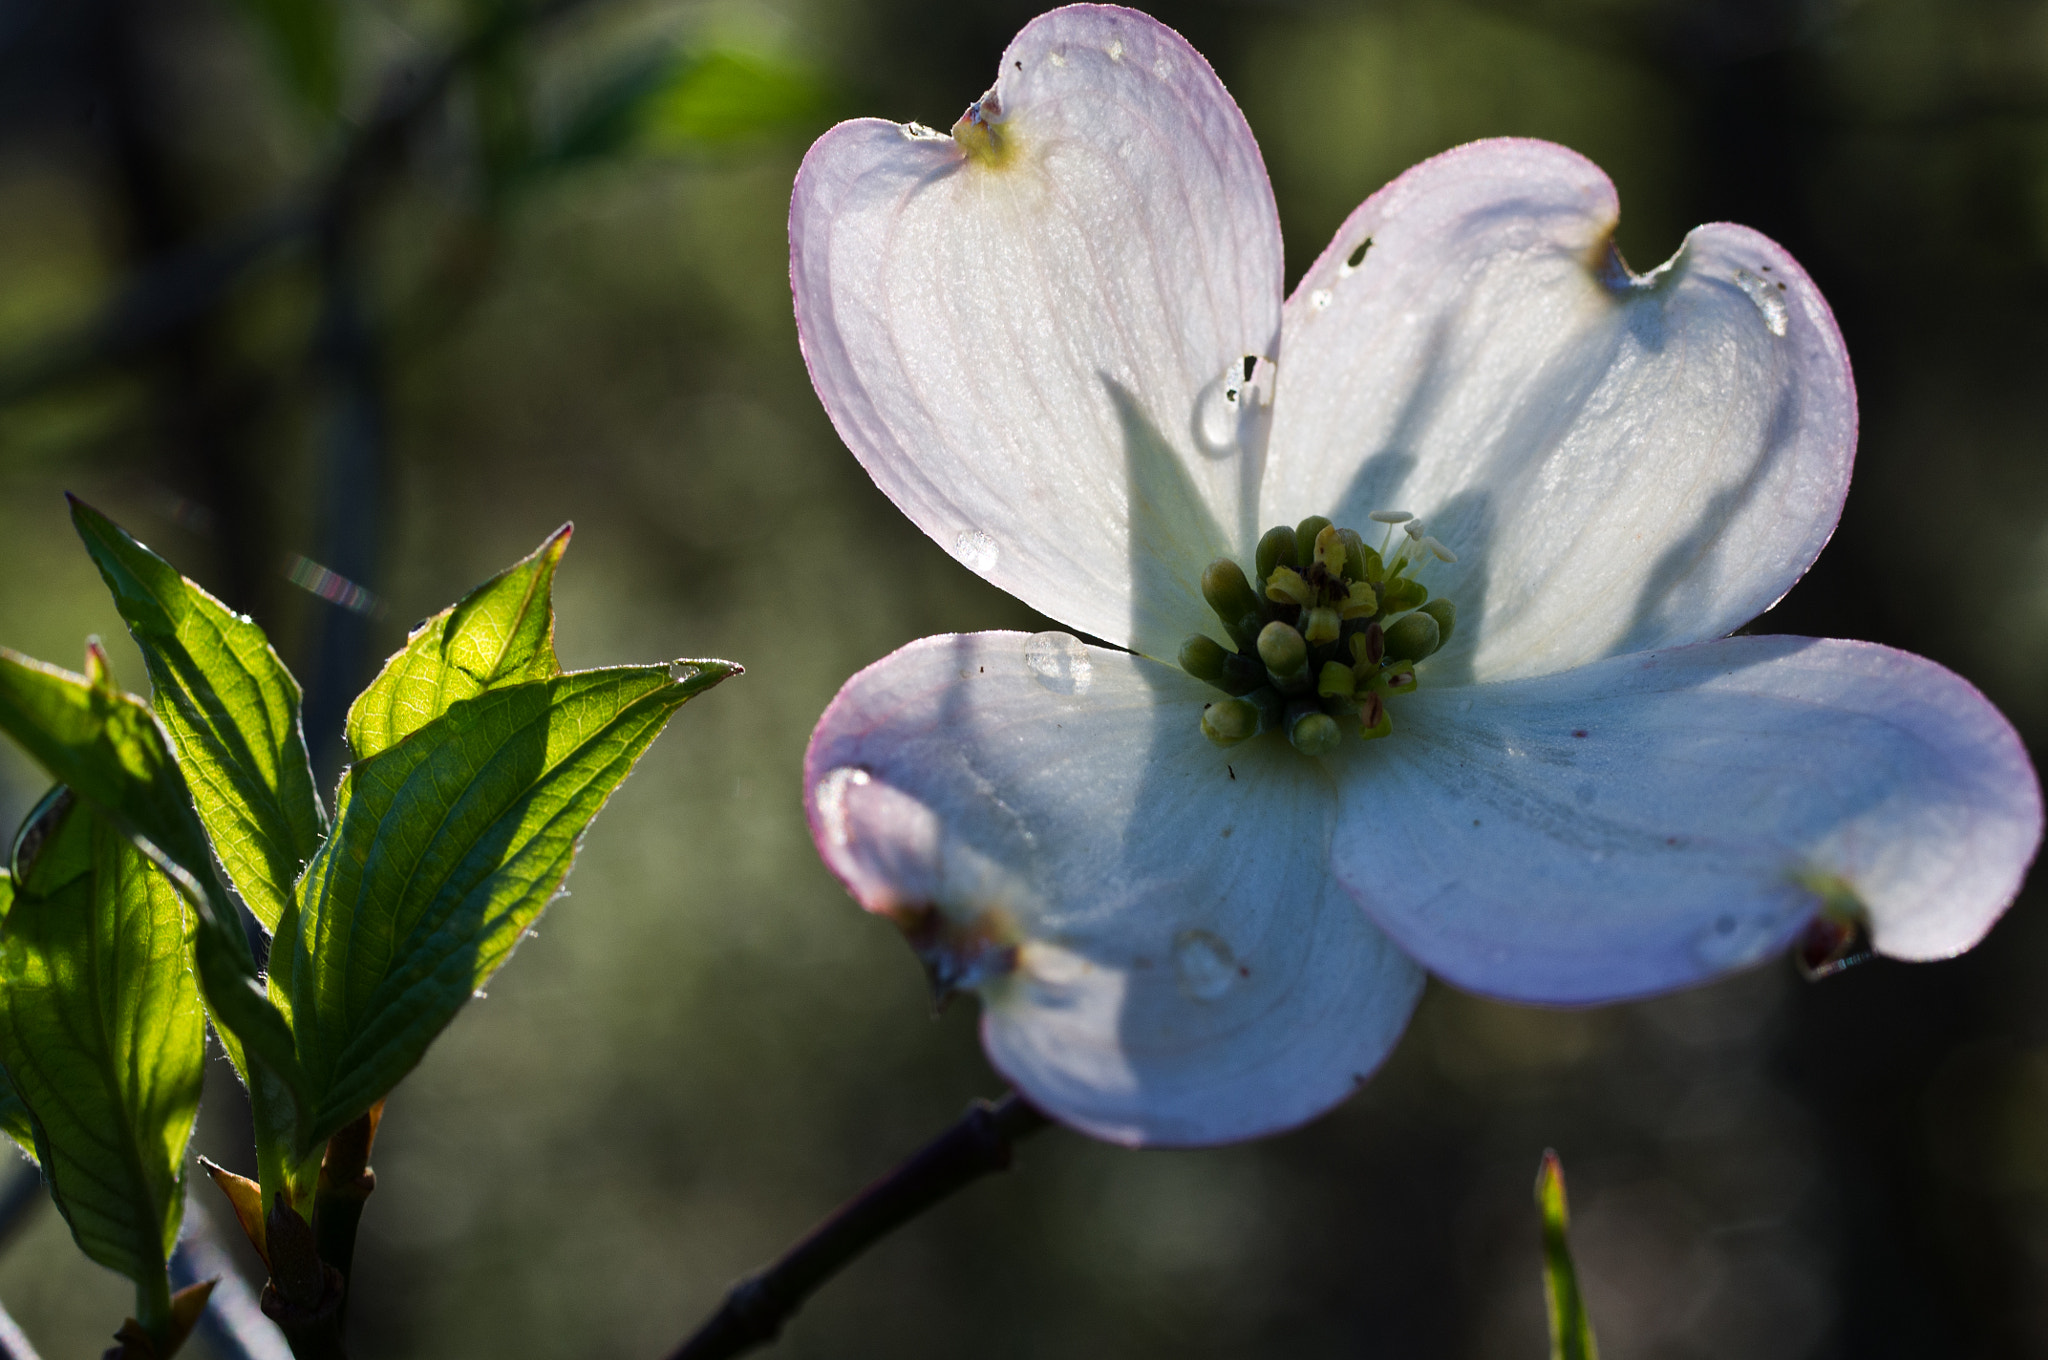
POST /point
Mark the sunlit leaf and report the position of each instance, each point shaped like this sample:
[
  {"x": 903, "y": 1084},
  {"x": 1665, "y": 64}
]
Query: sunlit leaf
[
  {"x": 446, "y": 847},
  {"x": 728, "y": 96},
  {"x": 1571, "y": 1331},
  {"x": 107, "y": 747},
  {"x": 102, "y": 1033},
  {"x": 304, "y": 38},
  {"x": 13, "y": 1114},
  {"x": 501, "y": 633},
  {"x": 232, "y": 710}
]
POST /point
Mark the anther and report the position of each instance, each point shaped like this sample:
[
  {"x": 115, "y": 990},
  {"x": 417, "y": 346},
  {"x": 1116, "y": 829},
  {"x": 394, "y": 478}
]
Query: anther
[
  {"x": 1438, "y": 550},
  {"x": 1390, "y": 517},
  {"x": 1373, "y": 718},
  {"x": 1368, "y": 647}
]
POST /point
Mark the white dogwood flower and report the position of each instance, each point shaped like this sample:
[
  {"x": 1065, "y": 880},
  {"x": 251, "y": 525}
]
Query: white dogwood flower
[{"x": 1196, "y": 884}]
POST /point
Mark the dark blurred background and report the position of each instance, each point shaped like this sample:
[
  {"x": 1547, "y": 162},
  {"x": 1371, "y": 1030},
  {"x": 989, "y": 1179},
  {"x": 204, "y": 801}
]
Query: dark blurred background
[{"x": 312, "y": 294}]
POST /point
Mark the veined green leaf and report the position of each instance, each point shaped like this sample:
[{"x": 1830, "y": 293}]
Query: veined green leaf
[
  {"x": 501, "y": 633},
  {"x": 102, "y": 1036},
  {"x": 445, "y": 849},
  {"x": 232, "y": 710},
  {"x": 13, "y": 1114},
  {"x": 107, "y": 748},
  {"x": 1571, "y": 1331},
  {"x": 304, "y": 37}
]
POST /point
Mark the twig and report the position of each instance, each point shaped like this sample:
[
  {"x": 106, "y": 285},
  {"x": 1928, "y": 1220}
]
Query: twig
[
  {"x": 14, "y": 1345},
  {"x": 187, "y": 283},
  {"x": 233, "y": 1325},
  {"x": 756, "y": 1308}
]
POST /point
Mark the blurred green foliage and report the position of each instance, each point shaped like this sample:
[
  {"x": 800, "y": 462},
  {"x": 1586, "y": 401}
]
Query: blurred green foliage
[{"x": 708, "y": 1046}]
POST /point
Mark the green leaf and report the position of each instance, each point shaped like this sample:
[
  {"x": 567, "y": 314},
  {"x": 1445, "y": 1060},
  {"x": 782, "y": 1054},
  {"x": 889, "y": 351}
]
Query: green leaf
[
  {"x": 232, "y": 710},
  {"x": 1571, "y": 1331},
  {"x": 501, "y": 633},
  {"x": 724, "y": 97},
  {"x": 304, "y": 37},
  {"x": 446, "y": 847},
  {"x": 103, "y": 1036},
  {"x": 13, "y": 1114},
  {"x": 107, "y": 747}
]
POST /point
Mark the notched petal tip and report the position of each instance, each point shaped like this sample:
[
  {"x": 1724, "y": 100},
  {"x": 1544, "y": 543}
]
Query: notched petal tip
[{"x": 958, "y": 956}]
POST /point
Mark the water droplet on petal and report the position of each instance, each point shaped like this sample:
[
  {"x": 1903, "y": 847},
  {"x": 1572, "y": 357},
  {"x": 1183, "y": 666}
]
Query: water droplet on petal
[
  {"x": 976, "y": 551},
  {"x": 830, "y": 800},
  {"x": 1766, "y": 299},
  {"x": 1059, "y": 661},
  {"x": 1206, "y": 966},
  {"x": 1739, "y": 937},
  {"x": 1217, "y": 411}
]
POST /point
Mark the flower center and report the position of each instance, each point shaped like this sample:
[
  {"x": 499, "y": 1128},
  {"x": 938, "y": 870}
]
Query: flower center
[{"x": 1331, "y": 631}]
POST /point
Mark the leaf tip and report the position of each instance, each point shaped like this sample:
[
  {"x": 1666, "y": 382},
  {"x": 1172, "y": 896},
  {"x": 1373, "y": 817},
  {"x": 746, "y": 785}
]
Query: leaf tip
[
  {"x": 246, "y": 1197},
  {"x": 698, "y": 675}
]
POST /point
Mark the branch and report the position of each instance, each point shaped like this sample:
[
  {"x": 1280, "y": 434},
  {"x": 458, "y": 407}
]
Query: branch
[
  {"x": 189, "y": 282},
  {"x": 756, "y": 1308},
  {"x": 13, "y": 1344}
]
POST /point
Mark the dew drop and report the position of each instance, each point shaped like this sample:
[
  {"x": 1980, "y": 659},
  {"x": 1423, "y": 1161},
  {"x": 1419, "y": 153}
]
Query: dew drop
[
  {"x": 976, "y": 551},
  {"x": 1217, "y": 411},
  {"x": 1736, "y": 938},
  {"x": 830, "y": 800},
  {"x": 1206, "y": 966},
  {"x": 1319, "y": 299},
  {"x": 1060, "y": 662},
  {"x": 1766, "y": 299}
]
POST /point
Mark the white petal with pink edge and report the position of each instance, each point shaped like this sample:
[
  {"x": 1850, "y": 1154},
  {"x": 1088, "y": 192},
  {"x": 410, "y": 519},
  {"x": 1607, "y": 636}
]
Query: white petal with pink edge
[
  {"x": 1621, "y": 463},
  {"x": 1162, "y": 953},
  {"x": 1654, "y": 820},
  {"x": 1040, "y": 354}
]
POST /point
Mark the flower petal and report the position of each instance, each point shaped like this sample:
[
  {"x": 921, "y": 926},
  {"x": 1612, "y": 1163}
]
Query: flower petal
[
  {"x": 1654, "y": 820},
  {"x": 1161, "y": 952},
  {"x": 1621, "y": 463},
  {"x": 1038, "y": 353}
]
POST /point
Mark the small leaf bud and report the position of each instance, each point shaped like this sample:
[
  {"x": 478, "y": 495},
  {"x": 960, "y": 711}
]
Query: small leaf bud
[
  {"x": 1276, "y": 549},
  {"x": 1446, "y": 615},
  {"x": 1282, "y": 649},
  {"x": 1314, "y": 732},
  {"x": 1305, "y": 539},
  {"x": 1229, "y": 721},
  {"x": 1204, "y": 658},
  {"x": 1336, "y": 681},
  {"x": 1412, "y": 637}
]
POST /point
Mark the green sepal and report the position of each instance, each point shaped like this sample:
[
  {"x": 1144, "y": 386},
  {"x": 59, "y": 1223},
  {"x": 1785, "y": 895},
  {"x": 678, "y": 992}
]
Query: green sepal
[
  {"x": 108, "y": 748},
  {"x": 232, "y": 711},
  {"x": 446, "y": 847},
  {"x": 1571, "y": 1331},
  {"x": 501, "y": 633},
  {"x": 103, "y": 1037}
]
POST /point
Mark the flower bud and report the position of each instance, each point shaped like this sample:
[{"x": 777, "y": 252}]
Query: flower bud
[
  {"x": 1312, "y": 731},
  {"x": 1226, "y": 590},
  {"x": 1282, "y": 649},
  {"x": 1204, "y": 658},
  {"x": 1305, "y": 539},
  {"x": 1276, "y": 549},
  {"x": 1412, "y": 637},
  {"x": 1229, "y": 721},
  {"x": 1446, "y": 615}
]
